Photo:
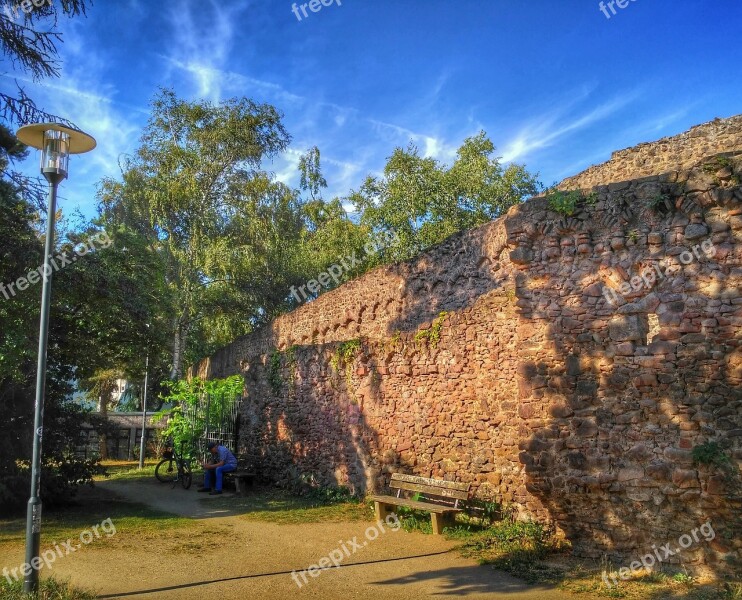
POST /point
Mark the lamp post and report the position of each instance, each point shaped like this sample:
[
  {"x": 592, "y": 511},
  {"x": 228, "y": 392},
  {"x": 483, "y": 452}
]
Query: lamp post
[
  {"x": 144, "y": 412},
  {"x": 56, "y": 143}
]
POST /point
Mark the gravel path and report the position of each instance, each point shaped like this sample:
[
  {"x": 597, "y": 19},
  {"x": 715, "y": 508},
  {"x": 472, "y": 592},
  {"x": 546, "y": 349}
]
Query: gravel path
[{"x": 232, "y": 558}]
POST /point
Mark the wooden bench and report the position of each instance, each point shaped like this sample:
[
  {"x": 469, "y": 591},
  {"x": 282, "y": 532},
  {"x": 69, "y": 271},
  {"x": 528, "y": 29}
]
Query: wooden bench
[
  {"x": 440, "y": 498},
  {"x": 243, "y": 478}
]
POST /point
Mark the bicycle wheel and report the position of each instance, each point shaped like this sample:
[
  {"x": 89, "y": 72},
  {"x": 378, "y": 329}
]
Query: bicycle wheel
[
  {"x": 185, "y": 475},
  {"x": 166, "y": 470}
]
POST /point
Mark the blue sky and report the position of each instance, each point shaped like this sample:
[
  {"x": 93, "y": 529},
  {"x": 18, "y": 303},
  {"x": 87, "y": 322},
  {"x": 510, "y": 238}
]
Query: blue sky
[{"x": 554, "y": 83}]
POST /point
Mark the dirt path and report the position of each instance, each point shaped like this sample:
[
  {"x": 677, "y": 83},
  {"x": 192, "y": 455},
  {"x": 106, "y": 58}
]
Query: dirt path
[{"x": 227, "y": 557}]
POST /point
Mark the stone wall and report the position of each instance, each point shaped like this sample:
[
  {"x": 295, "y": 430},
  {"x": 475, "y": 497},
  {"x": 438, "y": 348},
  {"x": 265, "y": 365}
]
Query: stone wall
[
  {"x": 671, "y": 153},
  {"x": 500, "y": 358}
]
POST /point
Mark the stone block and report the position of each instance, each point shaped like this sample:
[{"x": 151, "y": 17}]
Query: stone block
[{"x": 626, "y": 328}]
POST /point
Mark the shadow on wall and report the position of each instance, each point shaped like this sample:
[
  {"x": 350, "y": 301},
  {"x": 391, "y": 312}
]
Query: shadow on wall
[
  {"x": 541, "y": 391},
  {"x": 614, "y": 396},
  {"x": 619, "y": 395},
  {"x": 296, "y": 423}
]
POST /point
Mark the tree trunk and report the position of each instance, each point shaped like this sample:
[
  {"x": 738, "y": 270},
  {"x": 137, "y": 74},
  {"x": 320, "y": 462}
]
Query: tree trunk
[
  {"x": 179, "y": 345},
  {"x": 106, "y": 390}
]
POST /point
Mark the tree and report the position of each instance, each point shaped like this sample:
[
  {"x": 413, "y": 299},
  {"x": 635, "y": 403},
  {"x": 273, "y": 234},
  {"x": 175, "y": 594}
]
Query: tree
[
  {"x": 28, "y": 40},
  {"x": 196, "y": 171},
  {"x": 311, "y": 173},
  {"x": 30, "y": 44},
  {"x": 425, "y": 202}
]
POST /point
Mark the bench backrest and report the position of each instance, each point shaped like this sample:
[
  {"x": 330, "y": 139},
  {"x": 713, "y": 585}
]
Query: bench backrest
[{"x": 435, "y": 490}]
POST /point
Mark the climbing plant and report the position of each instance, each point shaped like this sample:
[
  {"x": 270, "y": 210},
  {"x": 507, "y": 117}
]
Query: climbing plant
[
  {"x": 274, "y": 371},
  {"x": 432, "y": 335},
  {"x": 343, "y": 358}
]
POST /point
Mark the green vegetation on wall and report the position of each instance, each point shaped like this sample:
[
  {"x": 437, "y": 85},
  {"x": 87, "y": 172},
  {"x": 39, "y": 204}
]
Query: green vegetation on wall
[
  {"x": 433, "y": 335},
  {"x": 343, "y": 358}
]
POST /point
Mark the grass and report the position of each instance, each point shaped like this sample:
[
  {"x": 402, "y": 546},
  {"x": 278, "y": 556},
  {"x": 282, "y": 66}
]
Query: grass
[
  {"x": 580, "y": 578},
  {"x": 49, "y": 589},
  {"x": 530, "y": 551},
  {"x": 527, "y": 550},
  {"x": 273, "y": 505},
  {"x": 93, "y": 507},
  {"x": 128, "y": 470}
]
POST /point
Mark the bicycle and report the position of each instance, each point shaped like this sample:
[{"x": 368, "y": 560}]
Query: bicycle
[{"x": 174, "y": 468}]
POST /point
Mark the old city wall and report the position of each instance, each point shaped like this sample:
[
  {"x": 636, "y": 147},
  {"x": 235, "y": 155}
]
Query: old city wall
[{"x": 500, "y": 358}]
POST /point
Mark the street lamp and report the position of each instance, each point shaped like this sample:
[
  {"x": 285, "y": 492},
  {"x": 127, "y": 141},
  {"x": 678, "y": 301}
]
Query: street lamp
[
  {"x": 56, "y": 143},
  {"x": 144, "y": 407}
]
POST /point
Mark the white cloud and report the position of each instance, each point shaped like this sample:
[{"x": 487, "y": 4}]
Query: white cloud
[{"x": 546, "y": 130}]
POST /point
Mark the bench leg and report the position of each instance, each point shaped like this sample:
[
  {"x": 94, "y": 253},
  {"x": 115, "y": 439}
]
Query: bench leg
[
  {"x": 239, "y": 488},
  {"x": 440, "y": 521},
  {"x": 382, "y": 511}
]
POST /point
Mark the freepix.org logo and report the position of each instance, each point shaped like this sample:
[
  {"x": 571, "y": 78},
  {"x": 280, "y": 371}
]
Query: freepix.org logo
[
  {"x": 604, "y": 6},
  {"x": 11, "y": 9},
  {"x": 315, "y": 6}
]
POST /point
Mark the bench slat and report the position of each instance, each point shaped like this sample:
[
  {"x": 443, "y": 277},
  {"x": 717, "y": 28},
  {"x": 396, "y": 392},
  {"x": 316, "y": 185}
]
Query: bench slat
[
  {"x": 414, "y": 504},
  {"x": 439, "y": 483},
  {"x": 429, "y": 490}
]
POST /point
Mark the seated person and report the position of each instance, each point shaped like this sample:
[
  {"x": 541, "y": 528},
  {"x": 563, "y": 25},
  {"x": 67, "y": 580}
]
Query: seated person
[{"x": 225, "y": 462}]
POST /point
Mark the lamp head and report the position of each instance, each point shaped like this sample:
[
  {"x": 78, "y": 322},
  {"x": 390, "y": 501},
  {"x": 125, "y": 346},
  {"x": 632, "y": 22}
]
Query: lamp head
[{"x": 56, "y": 143}]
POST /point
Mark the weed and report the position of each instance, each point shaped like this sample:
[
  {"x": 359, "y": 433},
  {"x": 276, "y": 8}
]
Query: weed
[
  {"x": 49, "y": 589},
  {"x": 660, "y": 203},
  {"x": 591, "y": 199},
  {"x": 682, "y": 578},
  {"x": 710, "y": 454},
  {"x": 343, "y": 357},
  {"x": 274, "y": 371},
  {"x": 564, "y": 203},
  {"x": 433, "y": 335},
  {"x": 722, "y": 162},
  {"x": 516, "y": 547}
]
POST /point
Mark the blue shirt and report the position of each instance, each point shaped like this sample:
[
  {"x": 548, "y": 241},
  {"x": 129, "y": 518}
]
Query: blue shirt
[{"x": 226, "y": 456}]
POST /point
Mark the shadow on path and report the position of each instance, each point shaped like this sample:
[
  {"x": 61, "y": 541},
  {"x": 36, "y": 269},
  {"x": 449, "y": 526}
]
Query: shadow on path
[{"x": 257, "y": 575}]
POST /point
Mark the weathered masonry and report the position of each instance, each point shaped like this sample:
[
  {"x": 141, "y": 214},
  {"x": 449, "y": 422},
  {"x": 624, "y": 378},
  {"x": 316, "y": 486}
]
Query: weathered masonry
[{"x": 500, "y": 358}]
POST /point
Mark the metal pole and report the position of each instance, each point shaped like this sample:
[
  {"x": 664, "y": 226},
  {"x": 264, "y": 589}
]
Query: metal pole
[
  {"x": 144, "y": 413},
  {"x": 33, "y": 515}
]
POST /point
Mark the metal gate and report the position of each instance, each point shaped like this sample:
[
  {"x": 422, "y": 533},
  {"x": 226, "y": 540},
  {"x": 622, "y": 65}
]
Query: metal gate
[{"x": 214, "y": 418}]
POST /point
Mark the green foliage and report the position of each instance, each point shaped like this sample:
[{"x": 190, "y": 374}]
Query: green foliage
[
  {"x": 194, "y": 189},
  {"x": 345, "y": 354},
  {"x": 489, "y": 512},
  {"x": 49, "y": 589},
  {"x": 275, "y": 365},
  {"x": 274, "y": 371},
  {"x": 311, "y": 173},
  {"x": 184, "y": 395},
  {"x": 412, "y": 519},
  {"x": 565, "y": 203},
  {"x": 722, "y": 162},
  {"x": 710, "y": 454},
  {"x": 633, "y": 236},
  {"x": 660, "y": 203},
  {"x": 591, "y": 199},
  {"x": 515, "y": 547},
  {"x": 425, "y": 202},
  {"x": 683, "y": 578},
  {"x": 343, "y": 357},
  {"x": 331, "y": 495},
  {"x": 432, "y": 335}
]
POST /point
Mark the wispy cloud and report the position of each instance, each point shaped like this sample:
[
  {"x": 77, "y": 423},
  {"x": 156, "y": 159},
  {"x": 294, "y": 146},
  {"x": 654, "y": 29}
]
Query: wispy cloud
[
  {"x": 546, "y": 130},
  {"x": 202, "y": 43}
]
